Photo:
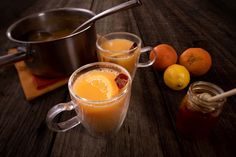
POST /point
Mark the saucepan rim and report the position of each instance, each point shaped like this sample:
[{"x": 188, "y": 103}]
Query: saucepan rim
[{"x": 14, "y": 25}]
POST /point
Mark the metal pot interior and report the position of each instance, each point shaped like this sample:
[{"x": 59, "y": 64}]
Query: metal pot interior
[{"x": 48, "y": 26}]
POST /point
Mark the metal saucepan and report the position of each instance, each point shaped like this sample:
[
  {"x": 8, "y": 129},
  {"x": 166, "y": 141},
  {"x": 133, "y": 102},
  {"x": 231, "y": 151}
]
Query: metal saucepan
[{"x": 49, "y": 47}]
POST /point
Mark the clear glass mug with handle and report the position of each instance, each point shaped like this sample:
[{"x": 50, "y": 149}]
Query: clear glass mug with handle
[
  {"x": 102, "y": 118},
  {"x": 123, "y": 48}
]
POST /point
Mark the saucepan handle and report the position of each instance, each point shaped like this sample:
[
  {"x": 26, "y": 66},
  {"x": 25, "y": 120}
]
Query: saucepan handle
[{"x": 12, "y": 58}]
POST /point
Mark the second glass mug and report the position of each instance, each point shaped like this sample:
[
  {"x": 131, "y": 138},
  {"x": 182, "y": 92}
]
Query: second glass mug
[
  {"x": 101, "y": 118},
  {"x": 123, "y": 48}
]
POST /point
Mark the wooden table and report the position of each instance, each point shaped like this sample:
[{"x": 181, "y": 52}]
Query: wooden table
[{"x": 149, "y": 128}]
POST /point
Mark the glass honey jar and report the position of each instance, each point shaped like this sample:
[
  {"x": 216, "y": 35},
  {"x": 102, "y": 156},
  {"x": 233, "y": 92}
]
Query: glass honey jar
[{"x": 197, "y": 116}]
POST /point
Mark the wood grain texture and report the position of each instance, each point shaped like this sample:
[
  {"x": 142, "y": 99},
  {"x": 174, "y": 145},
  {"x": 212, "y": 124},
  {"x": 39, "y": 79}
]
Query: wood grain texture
[{"x": 149, "y": 128}]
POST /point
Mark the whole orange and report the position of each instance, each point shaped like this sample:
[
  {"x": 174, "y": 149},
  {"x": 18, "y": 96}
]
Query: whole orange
[
  {"x": 166, "y": 56},
  {"x": 197, "y": 60}
]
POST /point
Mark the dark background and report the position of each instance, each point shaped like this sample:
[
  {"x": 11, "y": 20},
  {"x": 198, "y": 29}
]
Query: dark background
[{"x": 11, "y": 11}]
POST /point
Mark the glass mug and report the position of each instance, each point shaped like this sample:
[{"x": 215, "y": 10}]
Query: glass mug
[
  {"x": 124, "y": 49},
  {"x": 102, "y": 118}
]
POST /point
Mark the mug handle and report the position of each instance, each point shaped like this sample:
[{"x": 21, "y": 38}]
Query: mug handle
[
  {"x": 149, "y": 62},
  {"x": 62, "y": 126}
]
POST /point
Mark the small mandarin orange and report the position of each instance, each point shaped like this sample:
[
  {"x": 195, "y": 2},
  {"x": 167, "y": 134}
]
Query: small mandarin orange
[
  {"x": 166, "y": 56},
  {"x": 197, "y": 60}
]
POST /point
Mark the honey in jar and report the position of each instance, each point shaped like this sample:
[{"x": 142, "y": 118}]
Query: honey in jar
[{"x": 197, "y": 116}]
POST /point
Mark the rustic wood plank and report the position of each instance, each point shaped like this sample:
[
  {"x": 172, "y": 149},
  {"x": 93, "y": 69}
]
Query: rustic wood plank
[
  {"x": 22, "y": 123},
  {"x": 143, "y": 117},
  {"x": 121, "y": 21},
  {"x": 186, "y": 24},
  {"x": 149, "y": 128},
  {"x": 23, "y": 131}
]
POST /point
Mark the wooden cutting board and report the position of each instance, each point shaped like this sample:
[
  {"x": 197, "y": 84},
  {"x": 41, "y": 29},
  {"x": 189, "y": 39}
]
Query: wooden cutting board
[{"x": 32, "y": 85}]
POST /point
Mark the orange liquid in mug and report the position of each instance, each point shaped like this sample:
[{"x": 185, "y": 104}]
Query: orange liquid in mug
[
  {"x": 98, "y": 85},
  {"x": 116, "y": 54}
]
